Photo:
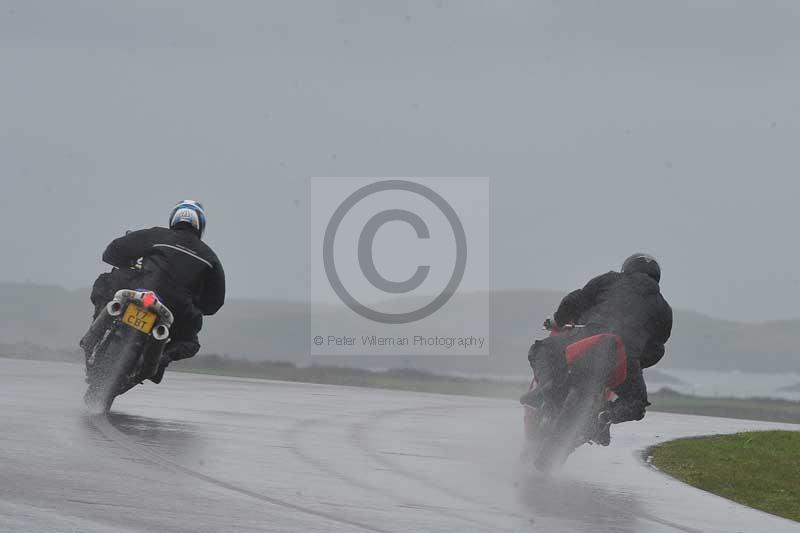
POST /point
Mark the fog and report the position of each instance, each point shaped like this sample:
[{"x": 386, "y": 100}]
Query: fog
[
  {"x": 607, "y": 128},
  {"x": 604, "y": 129}
]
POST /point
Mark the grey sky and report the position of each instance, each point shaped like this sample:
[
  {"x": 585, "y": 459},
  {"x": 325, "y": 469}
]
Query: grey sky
[{"x": 607, "y": 127}]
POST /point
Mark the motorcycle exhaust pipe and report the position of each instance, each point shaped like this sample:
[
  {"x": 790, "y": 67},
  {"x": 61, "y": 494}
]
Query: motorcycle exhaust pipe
[
  {"x": 95, "y": 331},
  {"x": 161, "y": 332},
  {"x": 114, "y": 308}
]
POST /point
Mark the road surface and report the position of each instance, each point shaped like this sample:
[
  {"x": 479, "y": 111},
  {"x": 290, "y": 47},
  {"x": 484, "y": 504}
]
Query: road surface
[{"x": 207, "y": 454}]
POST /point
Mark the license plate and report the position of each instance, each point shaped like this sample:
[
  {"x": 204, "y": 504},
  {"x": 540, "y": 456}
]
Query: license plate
[{"x": 138, "y": 318}]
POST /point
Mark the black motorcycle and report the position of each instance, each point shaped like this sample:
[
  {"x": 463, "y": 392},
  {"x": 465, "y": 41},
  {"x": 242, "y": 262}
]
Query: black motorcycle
[{"x": 124, "y": 344}]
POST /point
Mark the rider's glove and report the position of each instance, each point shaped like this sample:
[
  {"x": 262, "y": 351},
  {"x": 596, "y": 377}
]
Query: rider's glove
[{"x": 550, "y": 324}]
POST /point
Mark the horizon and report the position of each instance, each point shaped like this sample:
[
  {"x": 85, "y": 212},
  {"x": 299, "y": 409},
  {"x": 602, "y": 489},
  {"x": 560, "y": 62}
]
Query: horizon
[{"x": 339, "y": 305}]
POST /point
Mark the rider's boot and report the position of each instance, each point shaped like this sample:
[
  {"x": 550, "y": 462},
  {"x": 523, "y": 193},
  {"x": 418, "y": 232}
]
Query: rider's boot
[
  {"x": 602, "y": 434},
  {"x": 159, "y": 374},
  {"x": 533, "y": 398},
  {"x": 551, "y": 392}
]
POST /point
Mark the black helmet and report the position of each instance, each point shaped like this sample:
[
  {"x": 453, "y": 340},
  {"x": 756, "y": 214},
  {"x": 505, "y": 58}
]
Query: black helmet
[{"x": 644, "y": 263}]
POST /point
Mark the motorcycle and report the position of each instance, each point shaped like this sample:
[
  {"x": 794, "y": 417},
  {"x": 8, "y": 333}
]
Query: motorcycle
[
  {"x": 123, "y": 345},
  {"x": 567, "y": 416}
]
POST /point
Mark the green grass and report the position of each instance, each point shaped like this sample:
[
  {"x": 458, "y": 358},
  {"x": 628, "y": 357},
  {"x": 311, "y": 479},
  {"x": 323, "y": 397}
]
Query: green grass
[{"x": 758, "y": 469}]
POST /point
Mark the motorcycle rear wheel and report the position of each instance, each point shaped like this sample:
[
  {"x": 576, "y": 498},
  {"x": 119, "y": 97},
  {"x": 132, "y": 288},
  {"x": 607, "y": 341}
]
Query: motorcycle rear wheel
[
  {"x": 568, "y": 429},
  {"x": 114, "y": 359}
]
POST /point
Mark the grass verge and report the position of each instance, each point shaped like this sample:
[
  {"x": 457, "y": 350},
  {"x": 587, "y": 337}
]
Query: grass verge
[{"x": 758, "y": 469}]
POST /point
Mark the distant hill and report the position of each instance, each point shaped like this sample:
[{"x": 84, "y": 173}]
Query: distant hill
[
  {"x": 54, "y": 318},
  {"x": 655, "y": 375},
  {"x": 790, "y": 388}
]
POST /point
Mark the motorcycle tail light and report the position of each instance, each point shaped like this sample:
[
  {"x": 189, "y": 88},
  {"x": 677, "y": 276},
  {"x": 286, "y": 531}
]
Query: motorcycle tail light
[{"x": 148, "y": 299}]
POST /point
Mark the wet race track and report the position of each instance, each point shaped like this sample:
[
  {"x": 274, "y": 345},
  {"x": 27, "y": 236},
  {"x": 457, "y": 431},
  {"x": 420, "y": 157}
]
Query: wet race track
[{"x": 203, "y": 453}]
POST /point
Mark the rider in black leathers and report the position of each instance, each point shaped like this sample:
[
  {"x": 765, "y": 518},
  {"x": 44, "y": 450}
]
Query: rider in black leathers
[
  {"x": 628, "y": 304},
  {"x": 178, "y": 266}
]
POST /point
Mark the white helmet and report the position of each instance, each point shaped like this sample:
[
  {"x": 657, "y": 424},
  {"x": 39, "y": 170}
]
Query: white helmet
[{"x": 189, "y": 212}]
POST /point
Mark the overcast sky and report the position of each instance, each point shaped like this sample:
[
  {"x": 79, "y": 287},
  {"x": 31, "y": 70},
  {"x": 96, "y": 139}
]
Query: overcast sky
[{"x": 606, "y": 127}]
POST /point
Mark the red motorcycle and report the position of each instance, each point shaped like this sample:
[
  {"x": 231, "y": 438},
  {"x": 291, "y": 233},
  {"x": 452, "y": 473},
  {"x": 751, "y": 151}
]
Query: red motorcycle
[{"x": 567, "y": 418}]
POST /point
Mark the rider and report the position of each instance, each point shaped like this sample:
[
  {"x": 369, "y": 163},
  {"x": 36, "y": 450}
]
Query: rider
[
  {"x": 628, "y": 304},
  {"x": 176, "y": 264}
]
